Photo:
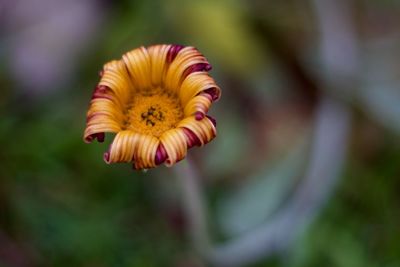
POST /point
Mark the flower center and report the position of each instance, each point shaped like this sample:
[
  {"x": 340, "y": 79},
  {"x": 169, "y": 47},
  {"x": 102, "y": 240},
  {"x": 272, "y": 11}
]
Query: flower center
[{"x": 153, "y": 112}]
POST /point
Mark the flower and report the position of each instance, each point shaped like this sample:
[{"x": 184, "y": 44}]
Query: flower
[{"x": 156, "y": 100}]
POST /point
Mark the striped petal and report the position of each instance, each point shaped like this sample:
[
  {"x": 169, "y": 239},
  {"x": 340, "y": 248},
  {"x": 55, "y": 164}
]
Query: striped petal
[
  {"x": 129, "y": 146},
  {"x": 159, "y": 63},
  {"x": 138, "y": 64},
  {"x": 198, "y": 106},
  {"x": 115, "y": 76},
  {"x": 196, "y": 83},
  {"x": 175, "y": 144},
  {"x": 203, "y": 129},
  {"x": 103, "y": 116},
  {"x": 187, "y": 61}
]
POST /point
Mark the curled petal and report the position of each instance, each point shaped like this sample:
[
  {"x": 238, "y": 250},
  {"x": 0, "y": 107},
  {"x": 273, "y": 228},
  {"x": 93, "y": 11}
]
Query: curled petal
[
  {"x": 214, "y": 93},
  {"x": 213, "y": 121},
  {"x": 146, "y": 153},
  {"x": 174, "y": 142},
  {"x": 123, "y": 147},
  {"x": 130, "y": 146},
  {"x": 188, "y": 60},
  {"x": 99, "y": 136},
  {"x": 103, "y": 116},
  {"x": 198, "y": 106},
  {"x": 195, "y": 84},
  {"x": 173, "y": 52},
  {"x": 203, "y": 66},
  {"x": 204, "y": 129},
  {"x": 138, "y": 63},
  {"x": 115, "y": 77},
  {"x": 104, "y": 109},
  {"x": 191, "y": 138},
  {"x": 97, "y": 130}
]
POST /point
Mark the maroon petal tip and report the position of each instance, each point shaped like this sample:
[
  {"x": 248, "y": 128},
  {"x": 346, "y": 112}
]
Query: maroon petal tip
[
  {"x": 212, "y": 92},
  {"x": 173, "y": 52},
  {"x": 192, "y": 139},
  {"x": 196, "y": 68},
  {"x": 199, "y": 115},
  {"x": 100, "y": 137},
  {"x": 88, "y": 139},
  {"x": 106, "y": 157},
  {"x": 213, "y": 121},
  {"x": 101, "y": 91},
  {"x": 161, "y": 154}
]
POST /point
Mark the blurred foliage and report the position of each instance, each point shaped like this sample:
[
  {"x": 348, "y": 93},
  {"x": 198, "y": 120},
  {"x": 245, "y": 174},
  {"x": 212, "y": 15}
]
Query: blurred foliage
[{"x": 61, "y": 205}]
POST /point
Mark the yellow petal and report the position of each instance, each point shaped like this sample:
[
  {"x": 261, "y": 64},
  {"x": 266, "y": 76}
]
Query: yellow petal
[
  {"x": 105, "y": 108},
  {"x": 158, "y": 57},
  {"x": 146, "y": 152},
  {"x": 198, "y": 103},
  {"x": 195, "y": 83},
  {"x": 116, "y": 77},
  {"x": 103, "y": 116},
  {"x": 138, "y": 64},
  {"x": 98, "y": 128},
  {"x": 174, "y": 142},
  {"x": 187, "y": 57},
  {"x": 129, "y": 146}
]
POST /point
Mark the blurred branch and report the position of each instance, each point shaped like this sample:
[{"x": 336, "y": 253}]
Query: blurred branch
[
  {"x": 338, "y": 44},
  {"x": 332, "y": 124},
  {"x": 331, "y": 130}
]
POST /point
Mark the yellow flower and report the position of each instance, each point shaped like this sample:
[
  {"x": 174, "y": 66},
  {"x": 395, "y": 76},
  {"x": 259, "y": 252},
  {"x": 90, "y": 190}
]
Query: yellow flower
[{"x": 156, "y": 100}]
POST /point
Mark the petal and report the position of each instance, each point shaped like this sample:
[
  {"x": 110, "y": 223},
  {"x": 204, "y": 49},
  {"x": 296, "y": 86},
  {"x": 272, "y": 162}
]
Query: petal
[
  {"x": 103, "y": 116},
  {"x": 130, "y": 146},
  {"x": 146, "y": 152},
  {"x": 161, "y": 154},
  {"x": 115, "y": 76},
  {"x": 186, "y": 61},
  {"x": 196, "y": 83},
  {"x": 204, "y": 129},
  {"x": 95, "y": 128},
  {"x": 105, "y": 108},
  {"x": 175, "y": 144},
  {"x": 198, "y": 105},
  {"x": 122, "y": 147},
  {"x": 191, "y": 138},
  {"x": 158, "y": 56},
  {"x": 173, "y": 52},
  {"x": 138, "y": 64}
]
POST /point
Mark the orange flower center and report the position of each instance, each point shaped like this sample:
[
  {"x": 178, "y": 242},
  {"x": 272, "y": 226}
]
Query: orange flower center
[{"x": 153, "y": 112}]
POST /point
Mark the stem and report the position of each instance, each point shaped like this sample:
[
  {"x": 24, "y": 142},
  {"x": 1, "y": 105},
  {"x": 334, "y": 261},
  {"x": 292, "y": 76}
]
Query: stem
[{"x": 194, "y": 206}]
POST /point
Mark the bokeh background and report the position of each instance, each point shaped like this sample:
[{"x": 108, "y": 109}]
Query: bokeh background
[{"x": 305, "y": 168}]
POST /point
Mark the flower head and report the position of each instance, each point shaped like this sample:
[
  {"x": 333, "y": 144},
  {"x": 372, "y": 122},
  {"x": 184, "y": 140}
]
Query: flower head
[{"x": 156, "y": 100}]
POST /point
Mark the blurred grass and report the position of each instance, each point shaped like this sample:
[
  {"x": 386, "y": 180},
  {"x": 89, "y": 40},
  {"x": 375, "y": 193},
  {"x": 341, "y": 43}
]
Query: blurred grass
[{"x": 69, "y": 206}]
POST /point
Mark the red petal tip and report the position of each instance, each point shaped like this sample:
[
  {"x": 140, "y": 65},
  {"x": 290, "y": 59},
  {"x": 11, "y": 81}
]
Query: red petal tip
[{"x": 161, "y": 154}]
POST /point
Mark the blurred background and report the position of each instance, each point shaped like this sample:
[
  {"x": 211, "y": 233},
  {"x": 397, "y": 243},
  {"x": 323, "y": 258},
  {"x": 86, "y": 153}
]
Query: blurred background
[{"x": 305, "y": 170}]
